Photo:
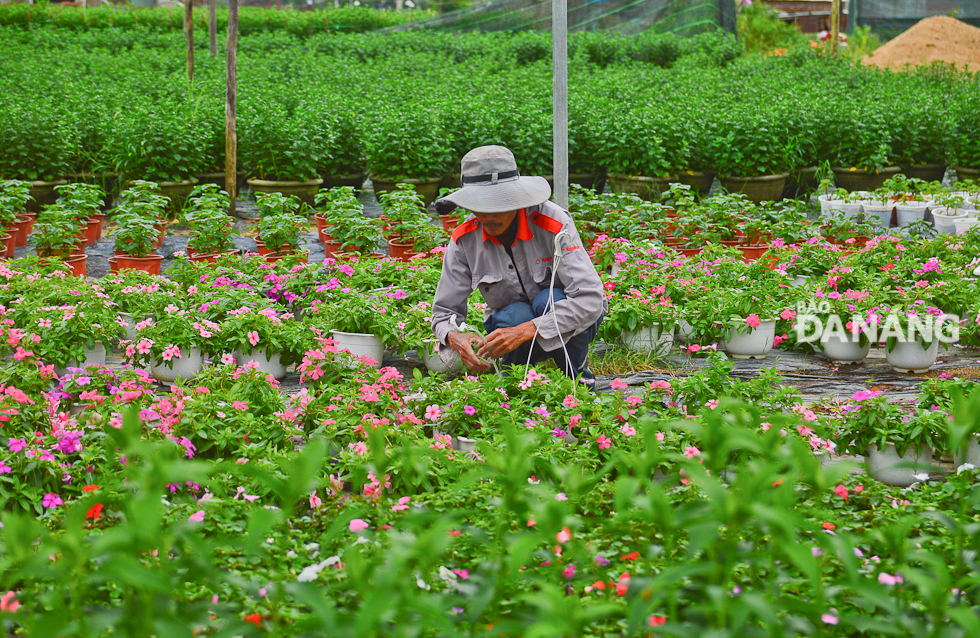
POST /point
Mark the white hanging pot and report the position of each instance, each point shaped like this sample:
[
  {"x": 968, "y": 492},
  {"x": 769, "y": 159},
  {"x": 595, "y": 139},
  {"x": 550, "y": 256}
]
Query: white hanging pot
[
  {"x": 433, "y": 362},
  {"x": 684, "y": 331},
  {"x": 973, "y": 451},
  {"x": 360, "y": 344},
  {"x": 879, "y": 211},
  {"x": 883, "y": 464},
  {"x": 912, "y": 356},
  {"x": 463, "y": 444},
  {"x": 131, "y": 333},
  {"x": 910, "y": 212},
  {"x": 647, "y": 339},
  {"x": 267, "y": 365},
  {"x": 846, "y": 349},
  {"x": 187, "y": 367},
  {"x": 826, "y": 204},
  {"x": 754, "y": 344},
  {"x": 800, "y": 280},
  {"x": 94, "y": 356}
]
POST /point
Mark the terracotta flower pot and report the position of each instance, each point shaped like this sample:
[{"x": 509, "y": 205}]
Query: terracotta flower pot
[
  {"x": 208, "y": 258},
  {"x": 113, "y": 264},
  {"x": 150, "y": 264},
  {"x": 400, "y": 251},
  {"x": 161, "y": 230},
  {"x": 22, "y": 226},
  {"x": 100, "y": 220},
  {"x": 751, "y": 253},
  {"x": 282, "y": 254},
  {"x": 92, "y": 231},
  {"x": 76, "y": 263},
  {"x": 263, "y": 250},
  {"x": 332, "y": 248},
  {"x": 32, "y": 217},
  {"x": 321, "y": 228},
  {"x": 449, "y": 222},
  {"x": 8, "y": 240}
]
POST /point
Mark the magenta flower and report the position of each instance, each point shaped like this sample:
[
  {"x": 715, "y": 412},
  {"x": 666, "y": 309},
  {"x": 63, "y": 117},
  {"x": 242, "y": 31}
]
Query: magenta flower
[
  {"x": 841, "y": 491},
  {"x": 51, "y": 500},
  {"x": 864, "y": 395},
  {"x": 196, "y": 517},
  {"x": 358, "y": 525},
  {"x": 604, "y": 442},
  {"x": 753, "y": 321},
  {"x": 569, "y": 572},
  {"x": 469, "y": 409}
]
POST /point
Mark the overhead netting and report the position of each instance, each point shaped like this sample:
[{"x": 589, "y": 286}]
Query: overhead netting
[
  {"x": 684, "y": 17},
  {"x": 888, "y": 18}
]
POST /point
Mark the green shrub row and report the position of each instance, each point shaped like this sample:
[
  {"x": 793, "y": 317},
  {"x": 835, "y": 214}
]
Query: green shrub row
[
  {"x": 411, "y": 104},
  {"x": 350, "y": 19}
]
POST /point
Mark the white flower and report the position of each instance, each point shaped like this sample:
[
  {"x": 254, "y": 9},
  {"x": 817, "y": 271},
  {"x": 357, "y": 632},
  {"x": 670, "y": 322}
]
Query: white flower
[
  {"x": 966, "y": 467},
  {"x": 921, "y": 477},
  {"x": 446, "y": 574},
  {"x": 421, "y": 583}
]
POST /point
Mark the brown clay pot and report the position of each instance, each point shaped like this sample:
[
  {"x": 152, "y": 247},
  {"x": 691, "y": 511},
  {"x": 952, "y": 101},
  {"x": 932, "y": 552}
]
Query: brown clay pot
[
  {"x": 208, "y": 258},
  {"x": 282, "y": 254},
  {"x": 332, "y": 248},
  {"x": 449, "y": 222},
  {"x": 76, "y": 263},
  {"x": 92, "y": 231},
  {"x": 161, "y": 230},
  {"x": 400, "y": 251},
  {"x": 751, "y": 253},
  {"x": 22, "y": 225},
  {"x": 32, "y": 217},
  {"x": 150, "y": 264},
  {"x": 765, "y": 188},
  {"x": 8, "y": 240}
]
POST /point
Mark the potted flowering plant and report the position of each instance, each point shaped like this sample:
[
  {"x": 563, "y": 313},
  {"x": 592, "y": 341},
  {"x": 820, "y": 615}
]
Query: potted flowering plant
[
  {"x": 72, "y": 335},
  {"x": 280, "y": 235},
  {"x": 207, "y": 217},
  {"x": 272, "y": 340},
  {"x": 17, "y": 222},
  {"x": 643, "y": 322},
  {"x": 898, "y": 445},
  {"x": 405, "y": 214},
  {"x": 749, "y": 311},
  {"x": 840, "y": 313},
  {"x": 95, "y": 385},
  {"x": 173, "y": 344},
  {"x": 357, "y": 323},
  {"x": 912, "y": 329},
  {"x": 134, "y": 243},
  {"x": 56, "y": 236},
  {"x": 415, "y": 329},
  {"x": 141, "y": 199},
  {"x": 85, "y": 201}
]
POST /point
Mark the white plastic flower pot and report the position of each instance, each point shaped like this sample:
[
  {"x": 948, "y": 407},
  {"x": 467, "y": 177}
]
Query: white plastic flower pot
[
  {"x": 187, "y": 367},
  {"x": 911, "y": 212},
  {"x": 964, "y": 224},
  {"x": 433, "y": 362},
  {"x": 826, "y": 204},
  {"x": 684, "y": 331},
  {"x": 799, "y": 281},
  {"x": 463, "y": 444},
  {"x": 879, "y": 212},
  {"x": 754, "y": 344},
  {"x": 884, "y": 465},
  {"x": 94, "y": 356},
  {"x": 973, "y": 451},
  {"x": 267, "y": 365},
  {"x": 848, "y": 211},
  {"x": 944, "y": 219},
  {"x": 912, "y": 356},
  {"x": 130, "y": 325},
  {"x": 846, "y": 349},
  {"x": 648, "y": 339},
  {"x": 360, "y": 344}
]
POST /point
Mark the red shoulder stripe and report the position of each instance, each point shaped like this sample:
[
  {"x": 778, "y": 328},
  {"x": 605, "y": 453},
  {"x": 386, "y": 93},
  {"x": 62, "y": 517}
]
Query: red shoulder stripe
[
  {"x": 550, "y": 224},
  {"x": 466, "y": 227}
]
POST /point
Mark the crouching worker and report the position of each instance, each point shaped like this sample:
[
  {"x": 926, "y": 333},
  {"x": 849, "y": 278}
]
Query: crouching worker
[{"x": 508, "y": 251}]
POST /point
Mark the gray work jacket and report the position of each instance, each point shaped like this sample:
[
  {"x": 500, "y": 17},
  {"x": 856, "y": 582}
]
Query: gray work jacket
[{"x": 475, "y": 260}]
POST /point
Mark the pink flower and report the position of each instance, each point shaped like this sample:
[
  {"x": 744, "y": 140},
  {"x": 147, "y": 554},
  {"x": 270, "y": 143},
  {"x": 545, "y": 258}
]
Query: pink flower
[
  {"x": 253, "y": 337},
  {"x": 604, "y": 442},
  {"x": 888, "y": 579},
  {"x": 618, "y": 384},
  {"x": 462, "y": 573},
  {"x": 753, "y": 321},
  {"x": 239, "y": 405},
  {"x": 51, "y": 500},
  {"x": 711, "y": 404},
  {"x": 841, "y": 491},
  {"x": 691, "y": 452},
  {"x": 569, "y": 572},
  {"x": 661, "y": 436},
  {"x": 7, "y": 602},
  {"x": 564, "y": 535},
  {"x": 228, "y": 359},
  {"x": 627, "y": 430},
  {"x": 829, "y": 619},
  {"x": 788, "y": 313},
  {"x": 315, "y": 501},
  {"x": 402, "y": 504},
  {"x": 570, "y": 402},
  {"x": 561, "y": 496},
  {"x": 432, "y": 413},
  {"x": 358, "y": 525},
  {"x": 864, "y": 395},
  {"x": 196, "y": 517}
]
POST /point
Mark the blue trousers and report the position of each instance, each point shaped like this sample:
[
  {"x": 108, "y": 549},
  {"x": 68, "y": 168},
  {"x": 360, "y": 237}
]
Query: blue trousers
[{"x": 517, "y": 313}]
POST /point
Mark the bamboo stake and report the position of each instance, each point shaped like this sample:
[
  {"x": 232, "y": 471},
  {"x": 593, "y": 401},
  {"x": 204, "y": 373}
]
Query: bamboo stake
[
  {"x": 231, "y": 135},
  {"x": 189, "y": 29},
  {"x": 834, "y": 26},
  {"x": 213, "y": 26}
]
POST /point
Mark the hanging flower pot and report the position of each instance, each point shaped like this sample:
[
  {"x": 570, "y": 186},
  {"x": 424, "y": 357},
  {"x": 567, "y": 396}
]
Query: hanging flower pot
[
  {"x": 267, "y": 365},
  {"x": 150, "y": 264},
  {"x": 889, "y": 468},
  {"x": 912, "y": 356},
  {"x": 428, "y": 352},
  {"x": 187, "y": 367},
  {"x": 846, "y": 349},
  {"x": 754, "y": 344},
  {"x": 360, "y": 344},
  {"x": 648, "y": 339}
]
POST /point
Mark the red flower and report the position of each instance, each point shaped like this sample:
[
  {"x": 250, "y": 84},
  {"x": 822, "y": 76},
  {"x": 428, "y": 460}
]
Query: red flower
[
  {"x": 90, "y": 488},
  {"x": 255, "y": 619},
  {"x": 656, "y": 621},
  {"x": 829, "y": 526},
  {"x": 599, "y": 585},
  {"x": 631, "y": 556},
  {"x": 94, "y": 512}
]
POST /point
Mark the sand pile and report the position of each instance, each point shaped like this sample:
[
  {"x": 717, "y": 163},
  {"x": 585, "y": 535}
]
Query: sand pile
[{"x": 939, "y": 38}]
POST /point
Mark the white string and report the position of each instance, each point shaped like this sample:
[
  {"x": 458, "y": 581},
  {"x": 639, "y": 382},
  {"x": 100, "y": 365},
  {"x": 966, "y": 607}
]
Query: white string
[{"x": 551, "y": 304}]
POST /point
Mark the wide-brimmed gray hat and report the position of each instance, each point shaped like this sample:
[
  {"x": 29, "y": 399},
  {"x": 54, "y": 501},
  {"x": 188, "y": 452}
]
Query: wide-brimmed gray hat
[{"x": 492, "y": 183}]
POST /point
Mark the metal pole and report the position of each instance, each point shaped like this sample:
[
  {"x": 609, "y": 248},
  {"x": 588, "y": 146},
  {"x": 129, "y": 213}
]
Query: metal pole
[
  {"x": 231, "y": 134},
  {"x": 834, "y": 26},
  {"x": 559, "y": 57},
  {"x": 189, "y": 28},
  {"x": 213, "y": 26}
]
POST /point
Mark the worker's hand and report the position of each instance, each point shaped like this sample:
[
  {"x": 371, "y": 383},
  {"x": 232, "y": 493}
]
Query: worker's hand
[
  {"x": 504, "y": 340},
  {"x": 462, "y": 343}
]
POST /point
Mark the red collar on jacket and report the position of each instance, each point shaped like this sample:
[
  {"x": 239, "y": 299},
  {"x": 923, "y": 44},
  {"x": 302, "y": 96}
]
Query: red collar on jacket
[{"x": 523, "y": 230}]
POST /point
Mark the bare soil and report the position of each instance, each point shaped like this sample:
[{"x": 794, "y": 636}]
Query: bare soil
[{"x": 936, "y": 39}]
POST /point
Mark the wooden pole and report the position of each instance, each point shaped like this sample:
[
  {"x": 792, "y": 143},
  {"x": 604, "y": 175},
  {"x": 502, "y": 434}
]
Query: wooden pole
[
  {"x": 189, "y": 29},
  {"x": 213, "y": 26},
  {"x": 834, "y": 26},
  {"x": 231, "y": 134},
  {"x": 559, "y": 57}
]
